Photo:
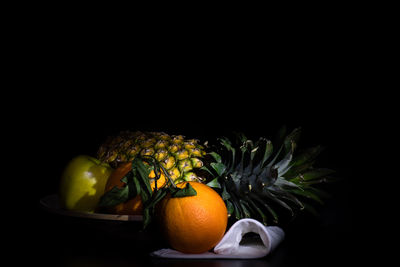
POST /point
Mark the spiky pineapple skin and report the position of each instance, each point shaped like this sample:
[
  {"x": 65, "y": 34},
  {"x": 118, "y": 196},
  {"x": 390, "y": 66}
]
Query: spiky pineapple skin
[{"x": 179, "y": 156}]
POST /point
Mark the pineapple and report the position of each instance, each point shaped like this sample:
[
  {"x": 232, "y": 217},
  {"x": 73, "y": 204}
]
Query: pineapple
[
  {"x": 258, "y": 179},
  {"x": 255, "y": 179},
  {"x": 180, "y": 157}
]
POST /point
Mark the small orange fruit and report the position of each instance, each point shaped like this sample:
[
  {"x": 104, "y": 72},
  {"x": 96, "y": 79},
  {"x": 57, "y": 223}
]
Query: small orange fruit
[
  {"x": 193, "y": 224},
  {"x": 133, "y": 206}
]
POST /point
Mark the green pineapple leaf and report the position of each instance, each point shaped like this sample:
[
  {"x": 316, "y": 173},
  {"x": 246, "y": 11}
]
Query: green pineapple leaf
[
  {"x": 258, "y": 210},
  {"x": 325, "y": 179},
  {"x": 307, "y": 194},
  {"x": 294, "y": 171},
  {"x": 240, "y": 136},
  {"x": 283, "y": 183},
  {"x": 271, "y": 163},
  {"x": 225, "y": 195},
  {"x": 319, "y": 192},
  {"x": 237, "y": 209},
  {"x": 268, "y": 176},
  {"x": 228, "y": 145},
  {"x": 216, "y": 157},
  {"x": 292, "y": 139},
  {"x": 245, "y": 208},
  {"x": 313, "y": 175},
  {"x": 204, "y": 168},
  {"x": 214, "y": 183},
  {"x": 278, "y": 201},
  {"x": 284, "y": 194},
  {"x": 283, "y": 165},
  {"x": 229, "y": 206},
  {"x": 218, "y": 167},
  {"x": 307, "y": 156},
  {"x": 267, "y": 152}
]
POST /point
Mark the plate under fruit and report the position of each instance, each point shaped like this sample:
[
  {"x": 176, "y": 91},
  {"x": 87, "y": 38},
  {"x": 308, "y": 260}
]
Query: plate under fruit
[{"x": 51, "y": 203}]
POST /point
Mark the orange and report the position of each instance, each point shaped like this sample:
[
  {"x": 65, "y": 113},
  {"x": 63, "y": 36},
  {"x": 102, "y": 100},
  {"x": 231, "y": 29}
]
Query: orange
[
  {"x": 133, "y": 206},
  {"x": 193, "y": 224}
]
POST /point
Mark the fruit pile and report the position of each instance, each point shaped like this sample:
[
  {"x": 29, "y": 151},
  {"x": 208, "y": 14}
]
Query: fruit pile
[{"x": 192, "y": 189}]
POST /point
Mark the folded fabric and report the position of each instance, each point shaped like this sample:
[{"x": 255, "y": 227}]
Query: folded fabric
[{"x": 234, "y": 245}]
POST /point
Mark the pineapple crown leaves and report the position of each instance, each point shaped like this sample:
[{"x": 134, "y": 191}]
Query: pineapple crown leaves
[
  {"x": 136, "y": 182},
  {"x": 256, "y": 178}
]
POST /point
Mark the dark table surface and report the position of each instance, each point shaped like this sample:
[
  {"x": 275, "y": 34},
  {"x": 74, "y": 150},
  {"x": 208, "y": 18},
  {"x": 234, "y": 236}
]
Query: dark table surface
[{"x": 66, "y": 241}]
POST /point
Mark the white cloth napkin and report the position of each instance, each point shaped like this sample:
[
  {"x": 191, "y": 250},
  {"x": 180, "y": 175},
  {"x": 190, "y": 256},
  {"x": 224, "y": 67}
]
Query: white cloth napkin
[{"x": 233, "y": 247}]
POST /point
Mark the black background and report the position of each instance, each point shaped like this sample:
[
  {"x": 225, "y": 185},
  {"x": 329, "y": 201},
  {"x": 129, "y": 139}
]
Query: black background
[{"x": 88, "y": 84}]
